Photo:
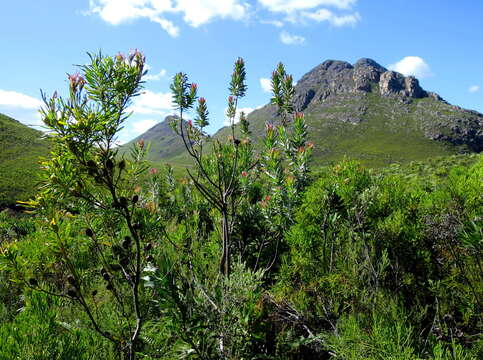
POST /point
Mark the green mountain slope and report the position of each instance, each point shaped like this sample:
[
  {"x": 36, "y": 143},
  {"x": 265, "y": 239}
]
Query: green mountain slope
[
  {"x": 362, "y": 111},
  {"x": 163, "y": 142},
  {"x": 20, "y": 149}
]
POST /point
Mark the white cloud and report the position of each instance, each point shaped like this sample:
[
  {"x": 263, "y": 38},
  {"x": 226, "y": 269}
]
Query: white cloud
[
  {"x": 246, "y": 110},
  {"x": 194, "y": 12},
  {"x": 142, "y": 126},
  {"x": 116, "y": 12},
  {"x": 276, "y": 23},
  {"x": 16, "y": 99},
  {"x": 198, "y": 12},
  {"x": 155, "y": 77},
  {"x": 290, "y": 39},
  {"x": 152, "y": 103},
  {"x": 474, "y": 88},
  {"x": 294, "y": 5},
  {"x": 322, "y": 15},
  {"x": 412, "y": 65},
  {"x": 266, "y": 85}
]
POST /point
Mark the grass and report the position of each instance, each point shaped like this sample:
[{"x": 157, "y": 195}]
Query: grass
[{"x": 20, "y": 150}]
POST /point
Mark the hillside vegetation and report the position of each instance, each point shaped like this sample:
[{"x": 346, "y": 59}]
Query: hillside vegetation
[
  {"x": 252, "y": 255},
  {"x": 20, "y": 150},
  {"x": 376, "y": 266}
]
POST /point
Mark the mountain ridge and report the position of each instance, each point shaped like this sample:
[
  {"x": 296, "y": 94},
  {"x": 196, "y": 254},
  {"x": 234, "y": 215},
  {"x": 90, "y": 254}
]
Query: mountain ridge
[{"x": 374, "y": 107}]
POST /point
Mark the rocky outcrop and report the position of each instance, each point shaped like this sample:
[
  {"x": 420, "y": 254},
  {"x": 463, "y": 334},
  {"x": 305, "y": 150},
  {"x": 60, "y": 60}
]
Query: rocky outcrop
[
  {"x": 366, "y": 73},
  {"x": 334, "y": 77},
  {"x": 329, "y": 78},
  {"x": 395, "y": 84},
  {"x": 340, "y": 88}
]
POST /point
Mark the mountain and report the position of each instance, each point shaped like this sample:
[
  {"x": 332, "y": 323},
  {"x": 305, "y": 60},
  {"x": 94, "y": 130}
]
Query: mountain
[
  {"x": 367, "y": 112},
  {"x": 20, "y": 149},
  {"x": 163, "y": 141}
]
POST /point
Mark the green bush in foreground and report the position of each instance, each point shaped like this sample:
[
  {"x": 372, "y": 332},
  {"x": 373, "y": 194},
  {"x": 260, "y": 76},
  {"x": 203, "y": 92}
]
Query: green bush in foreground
[{"x": 123, "y": 261}]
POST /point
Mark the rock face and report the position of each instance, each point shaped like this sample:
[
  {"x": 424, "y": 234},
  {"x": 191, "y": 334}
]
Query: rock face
[
  {"x": 394, "y": 83},
  {"x": 334, "y": 77},
  {"x": 340, "y": 90},
  {"x": 366, "y": 73}
]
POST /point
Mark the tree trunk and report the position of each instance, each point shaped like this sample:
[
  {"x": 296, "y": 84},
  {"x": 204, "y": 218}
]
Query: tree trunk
[{"x": 225, "y": 259}]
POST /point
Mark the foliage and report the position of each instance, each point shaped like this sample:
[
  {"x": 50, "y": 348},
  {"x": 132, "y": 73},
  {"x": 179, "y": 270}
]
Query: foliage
[
  {"x": 123, "y": 260},
  {"x": 20, "y": 150},
  {"x": 84, "y": 181}
]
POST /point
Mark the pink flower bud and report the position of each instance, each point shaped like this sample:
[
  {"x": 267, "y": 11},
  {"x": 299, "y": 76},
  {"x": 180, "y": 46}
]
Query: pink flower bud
[
  {"x": 230, "y": 99},
  {"x": 244, "y": 174},
  {"x": 141, "y": 143},
  {"x": 201, "y": 100},
  {"x": 190, "y": 123},
  {"x": 310, "y": 145},
  {"x": 301, "y": 149},
  {"x": 194, "y": 86},
  {"x": 76, "y": 81},
  {"x": 269, "y": 126},
  {"x": 267, "y": 198},
  {"x": 120, "y": 57},
  {"x": 153, "y": 171}
]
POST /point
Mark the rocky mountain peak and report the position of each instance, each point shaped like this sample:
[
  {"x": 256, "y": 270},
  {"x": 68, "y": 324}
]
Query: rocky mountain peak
[
  {"x": 365, "y": 62},
  {"x": 334, "y": 77}
]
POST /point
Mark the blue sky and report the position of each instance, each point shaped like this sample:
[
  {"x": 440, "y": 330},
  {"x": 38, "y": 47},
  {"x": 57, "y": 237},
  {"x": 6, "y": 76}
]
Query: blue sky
[{"x": 41, "y": 40}]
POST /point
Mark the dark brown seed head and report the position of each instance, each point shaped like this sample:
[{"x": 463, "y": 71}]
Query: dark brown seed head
[
  {"x": 123, "y": 201},
  {"x": 94, "y": 292},
  {"x": 33, "y": 282},
  {"x": 72, "y": 293},
  {"x": 106, "y": 276},
  {"x": 122, "y": 164},
  {"x": 135, "y": 199},
  {"x": 109, "y": 164},
  {"x": 71, "y": 280},
  {"x": 137, "y": 226},
  {"x": 89, "y": 232},
  {"x": 148, "y": 247},
  {"x": 237, "y": 142},
  {"x": 109, "y": 287},
  {"x": 126, "y": 244},
  {"x": 124, "y": 261}
]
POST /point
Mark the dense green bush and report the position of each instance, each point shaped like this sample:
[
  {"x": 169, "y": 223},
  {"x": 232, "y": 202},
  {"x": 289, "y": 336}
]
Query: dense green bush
[{"x": 121, "y": 260}]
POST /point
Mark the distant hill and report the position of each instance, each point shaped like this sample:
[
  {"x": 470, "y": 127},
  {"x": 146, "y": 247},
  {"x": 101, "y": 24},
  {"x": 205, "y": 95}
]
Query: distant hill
[
  {"x": 20, "y": 149},
  {"x": 163, "y": 141},
  {"x": 361, "y": 111}
]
